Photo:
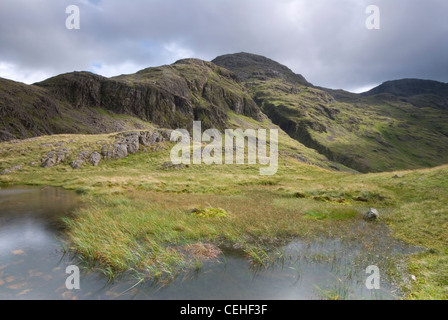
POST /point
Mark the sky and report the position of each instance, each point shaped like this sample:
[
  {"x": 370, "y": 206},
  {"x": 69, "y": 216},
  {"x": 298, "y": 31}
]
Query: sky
[{"x": 326, "y": 41}]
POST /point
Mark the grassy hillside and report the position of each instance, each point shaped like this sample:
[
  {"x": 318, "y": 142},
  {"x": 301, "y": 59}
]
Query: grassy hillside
[{"x": 378, "y": 132}]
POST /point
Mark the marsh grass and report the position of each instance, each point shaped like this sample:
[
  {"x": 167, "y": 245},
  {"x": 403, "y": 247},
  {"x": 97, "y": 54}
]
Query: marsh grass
[{"x": 137, "y": 216}]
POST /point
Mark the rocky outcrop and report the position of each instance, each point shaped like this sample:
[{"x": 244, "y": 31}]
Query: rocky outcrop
[
  {"x": 53, "y": 158},
  {"x": 11, "y": 170},
  {"x": 95, "y": 159},
  {"x": 125, "y": 143},
  {"x": 169, "y": 96}
]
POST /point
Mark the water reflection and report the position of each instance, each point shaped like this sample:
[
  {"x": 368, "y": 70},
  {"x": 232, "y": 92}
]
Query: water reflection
[{"x": 32, "y": 263}]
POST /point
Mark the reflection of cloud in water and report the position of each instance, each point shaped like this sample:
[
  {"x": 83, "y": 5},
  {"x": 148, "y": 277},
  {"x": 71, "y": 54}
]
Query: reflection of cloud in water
[
  {"x": 26, "y": 234},
  {"x": 29, "y": 255}
]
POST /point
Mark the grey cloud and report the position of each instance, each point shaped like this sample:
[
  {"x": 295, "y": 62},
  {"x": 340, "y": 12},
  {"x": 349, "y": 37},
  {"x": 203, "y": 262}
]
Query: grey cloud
[{"x": 325, "y": 40}]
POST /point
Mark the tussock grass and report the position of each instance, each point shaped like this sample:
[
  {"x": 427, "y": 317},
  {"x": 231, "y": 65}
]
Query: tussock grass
[{"x": 137, "y": 216}]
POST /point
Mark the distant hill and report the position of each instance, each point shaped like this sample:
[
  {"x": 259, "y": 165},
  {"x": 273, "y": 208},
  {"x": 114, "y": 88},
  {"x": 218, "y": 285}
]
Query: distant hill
[
  {"x": 421, "y": 93},
  {"x": 410, "y": 87}
]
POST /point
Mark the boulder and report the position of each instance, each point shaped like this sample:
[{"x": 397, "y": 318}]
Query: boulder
[
  {"x": 53, "y": 158},
  {"x": 48, "y": 162},
  {"x": 130, "y": 140},
  {"x": 132, "y": 144},
  {"x": 120, "y": 151},
  {"x": 5, "y": 172},
  {"x": 77, "y": 164},
  {"x": 83, "y": 155},
  {"x": 371, "y": 215},
  {"x": 61, "y": 155},
  {"x": 106, "y": 152},
  {"x": 151, "y": 138},
  {"x": 95, "y": 159}
]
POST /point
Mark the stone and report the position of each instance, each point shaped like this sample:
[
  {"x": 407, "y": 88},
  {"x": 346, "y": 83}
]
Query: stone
[
  {"x": 77, "y": 164},
  {"x": 120, "y": 151},
  {"x": 170, "y": 165},
  {"x": 83, "y": 155},
  {"x": 371, "y": 215},
  {"x": 48, "y": 162},
  {"x": 95, "y": 159},
  {"x": 132, "y": 144},
  {"x": 106, "y": 152},
  {"x": 61, "y": 156},
  {"x": 5, "y": 172},
  {"x": 130, "y": 140},
  {"x": 18, "y": 167}
]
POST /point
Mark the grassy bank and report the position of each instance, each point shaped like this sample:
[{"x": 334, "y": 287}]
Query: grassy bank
[{"x": 139, "y": 215}]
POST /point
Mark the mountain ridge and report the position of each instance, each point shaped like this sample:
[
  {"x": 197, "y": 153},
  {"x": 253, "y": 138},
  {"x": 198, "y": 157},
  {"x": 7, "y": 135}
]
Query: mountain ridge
[
  {"x": 380, "y": 130},
  {"x": 377, "y": 132}
]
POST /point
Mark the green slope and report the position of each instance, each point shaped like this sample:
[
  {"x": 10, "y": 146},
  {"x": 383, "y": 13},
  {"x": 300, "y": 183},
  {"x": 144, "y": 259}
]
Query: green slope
[{"x": 368, "y": 133}]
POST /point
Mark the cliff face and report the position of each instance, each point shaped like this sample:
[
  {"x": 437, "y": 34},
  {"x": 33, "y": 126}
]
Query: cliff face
[
  {"x": 169, "y": 96},
  {"x": 82, "y": 102},
  {"x": 25, "y": 111}
]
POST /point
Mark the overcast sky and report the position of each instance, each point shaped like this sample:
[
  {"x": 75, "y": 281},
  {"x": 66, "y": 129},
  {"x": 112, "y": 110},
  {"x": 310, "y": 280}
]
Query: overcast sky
[{"x": 324, "y": 40}]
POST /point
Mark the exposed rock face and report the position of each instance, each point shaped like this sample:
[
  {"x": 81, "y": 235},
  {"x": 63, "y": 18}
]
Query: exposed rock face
[
  {"x": 83, "y": 155},
  {"x": 125, "y": 143},
  {"x": 152, "y": 138},
  {"x": 169, "y": 96},
  {"x": 48, "y": 162}
]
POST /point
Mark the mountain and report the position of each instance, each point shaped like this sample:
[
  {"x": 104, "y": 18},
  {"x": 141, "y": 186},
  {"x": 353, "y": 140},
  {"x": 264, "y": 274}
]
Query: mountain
[
  {"x": 81, "y": 102},
  {"x": 421, "y": 93},
  {"x": 171, "y": 96},
  {"x": 399, "y": 125},
  {"x": 28, "y": 111},
  {"x": 410, "y": 87},
  {"x": 247, "y": 66},
  {"x": 378, "y": 131}
]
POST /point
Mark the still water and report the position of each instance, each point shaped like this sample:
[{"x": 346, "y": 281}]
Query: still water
[{"x": 33, "y": 263}]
